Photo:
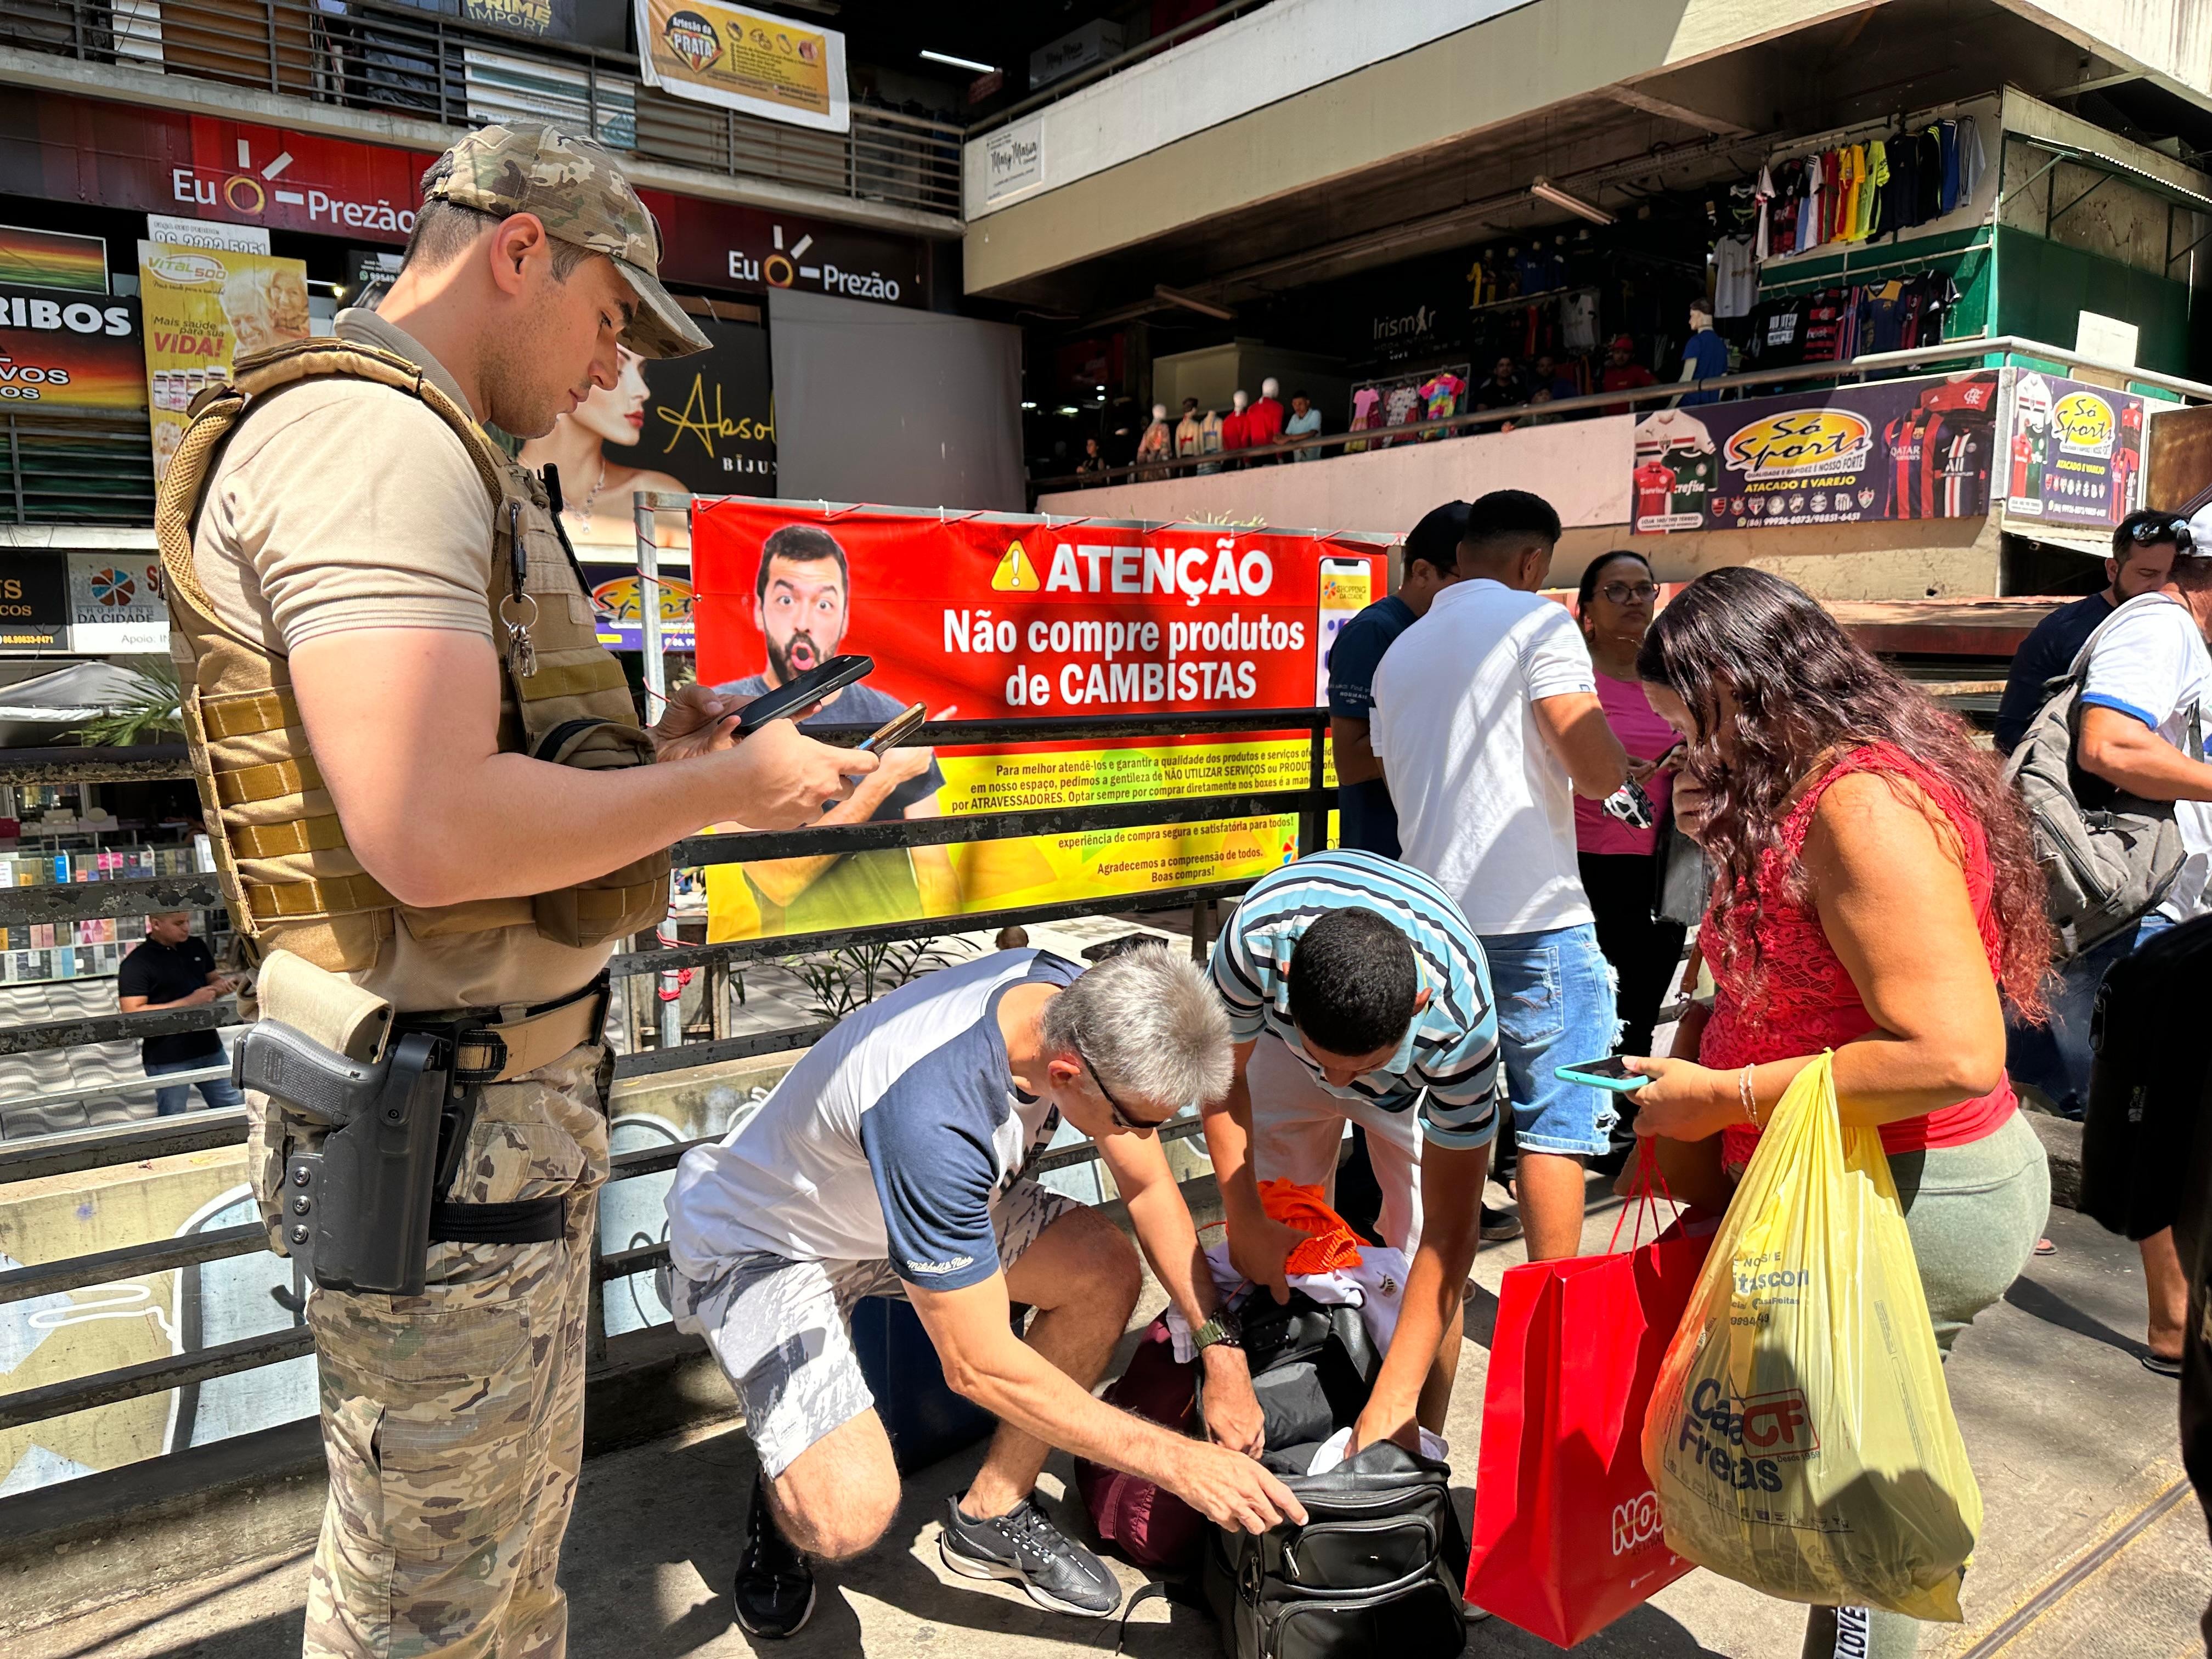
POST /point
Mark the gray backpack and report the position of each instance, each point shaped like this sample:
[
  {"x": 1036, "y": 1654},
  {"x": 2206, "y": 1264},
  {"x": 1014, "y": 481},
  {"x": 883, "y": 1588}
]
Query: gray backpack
[{"x": 2109, "y": 857}]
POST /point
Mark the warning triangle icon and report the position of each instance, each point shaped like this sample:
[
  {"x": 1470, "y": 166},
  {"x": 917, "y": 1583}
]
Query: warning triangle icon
[{"x": 1015, "y": 574}]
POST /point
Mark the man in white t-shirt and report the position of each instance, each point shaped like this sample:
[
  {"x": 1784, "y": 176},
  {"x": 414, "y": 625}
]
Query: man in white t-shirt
[
  {"x": 2145, "y": 704},
  {"x": 1487, "y": 725}
]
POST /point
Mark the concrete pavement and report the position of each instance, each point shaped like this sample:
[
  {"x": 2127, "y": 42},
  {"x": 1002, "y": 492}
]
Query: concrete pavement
[{"x": 2072, "y": 1438}]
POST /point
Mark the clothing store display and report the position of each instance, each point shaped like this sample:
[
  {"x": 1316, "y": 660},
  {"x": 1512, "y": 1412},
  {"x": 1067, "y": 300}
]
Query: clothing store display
[
  {"x": 1264, "y": 420},
  {"x": 1213, "y": 437},
  {"x": 1578, "y": 320},
  {"x": 1189, "y": 434},
  {"x": 1236, "y": 429},
  {"x": 1734, "y": 285},
  {"x": 1157, "y": 444}
]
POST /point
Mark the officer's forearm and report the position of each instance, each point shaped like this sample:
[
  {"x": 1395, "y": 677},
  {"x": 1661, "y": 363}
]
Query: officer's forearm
[{"x": 404, "y": 725}]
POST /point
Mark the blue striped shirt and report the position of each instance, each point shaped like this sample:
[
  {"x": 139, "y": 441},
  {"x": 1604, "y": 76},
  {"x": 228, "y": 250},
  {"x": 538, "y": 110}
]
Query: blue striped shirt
[{"x": 1446, "y": 1067}]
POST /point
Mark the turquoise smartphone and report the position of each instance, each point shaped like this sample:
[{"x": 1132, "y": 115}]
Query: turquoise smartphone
[{"x": 1608, "y": 1073}]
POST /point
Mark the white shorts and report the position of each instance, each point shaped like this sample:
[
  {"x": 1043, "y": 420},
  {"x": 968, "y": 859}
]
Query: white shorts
[
  {"x": 781, "y": 1330},
  {"x": 1297, "y": 1132}
]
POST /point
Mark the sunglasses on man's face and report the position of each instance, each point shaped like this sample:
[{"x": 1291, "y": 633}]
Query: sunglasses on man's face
[{"x": 1121, "y": 1119}]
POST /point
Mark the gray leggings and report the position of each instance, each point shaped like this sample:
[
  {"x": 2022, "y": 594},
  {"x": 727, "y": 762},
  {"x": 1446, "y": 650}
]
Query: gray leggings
[{"x": 1974, "y": 1213}]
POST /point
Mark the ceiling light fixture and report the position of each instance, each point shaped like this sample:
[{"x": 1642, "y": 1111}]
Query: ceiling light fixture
[
  {"x": 948, "y": 59},
  {"x": 1544, "y": 190}
]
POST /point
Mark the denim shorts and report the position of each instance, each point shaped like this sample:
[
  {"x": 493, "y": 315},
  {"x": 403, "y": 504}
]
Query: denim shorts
[{"x": 1555, "y": 1008}]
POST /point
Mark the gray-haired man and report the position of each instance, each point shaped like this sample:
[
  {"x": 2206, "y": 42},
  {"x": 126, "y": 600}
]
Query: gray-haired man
[{"x": 889, "y": 1161}]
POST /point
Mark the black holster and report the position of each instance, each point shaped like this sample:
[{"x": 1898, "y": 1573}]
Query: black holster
[{"x": 360, "y": 1211}]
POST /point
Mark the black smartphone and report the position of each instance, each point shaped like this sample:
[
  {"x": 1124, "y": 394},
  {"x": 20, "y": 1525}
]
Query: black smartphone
[
  {"x": 795, "y": 696},
  {"x": 895, "y": 730}
]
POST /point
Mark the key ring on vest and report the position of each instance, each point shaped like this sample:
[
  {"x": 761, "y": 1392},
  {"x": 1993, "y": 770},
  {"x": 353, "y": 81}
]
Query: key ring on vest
[{"x": 529, "y": 623}]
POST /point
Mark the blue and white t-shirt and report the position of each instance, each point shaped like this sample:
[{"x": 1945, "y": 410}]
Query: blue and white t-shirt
[
  {"x": 2148, "y": 661},
  {"x": 890, "y": 1140},
  {"x": 1446, "y": 1067}
]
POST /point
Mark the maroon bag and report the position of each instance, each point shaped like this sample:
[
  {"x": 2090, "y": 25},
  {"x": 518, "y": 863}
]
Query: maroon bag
[{"x": 1150, "y": 1527}]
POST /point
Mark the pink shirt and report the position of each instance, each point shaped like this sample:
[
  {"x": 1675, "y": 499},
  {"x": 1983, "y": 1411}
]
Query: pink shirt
[{"x": 1646, "y": 736}]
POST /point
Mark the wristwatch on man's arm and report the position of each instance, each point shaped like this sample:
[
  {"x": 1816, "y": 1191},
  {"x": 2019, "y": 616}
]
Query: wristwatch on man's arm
[{"x": 1223, "y": 1329}]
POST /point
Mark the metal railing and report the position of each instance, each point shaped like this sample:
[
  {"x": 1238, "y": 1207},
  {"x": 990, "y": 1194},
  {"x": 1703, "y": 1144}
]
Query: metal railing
[
  {"x": 69, "y": 466},
  {"x": 361, "y": 54},
  {"x": 1751, "y": 382},
  {"x": 75, "y": 1152}
]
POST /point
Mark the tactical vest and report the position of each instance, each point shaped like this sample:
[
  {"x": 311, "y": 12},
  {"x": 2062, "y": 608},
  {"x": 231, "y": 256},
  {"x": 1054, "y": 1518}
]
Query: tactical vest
[{"x": 289, "y": 878}]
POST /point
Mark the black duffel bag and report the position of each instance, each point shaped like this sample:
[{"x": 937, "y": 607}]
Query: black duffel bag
[
  {"x": 1376, "y": 1568},
  {"x": 1372, "y": 1573}
]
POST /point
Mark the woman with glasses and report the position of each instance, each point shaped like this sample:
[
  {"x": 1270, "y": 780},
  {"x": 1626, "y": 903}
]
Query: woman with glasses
[{"x": 1617, "y": 840}]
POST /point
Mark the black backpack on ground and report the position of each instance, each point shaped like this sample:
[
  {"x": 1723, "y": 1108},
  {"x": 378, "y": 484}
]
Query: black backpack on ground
[
  {"x": 1377, "y": 1567},
  {"x": 2147, "y": 1084}
]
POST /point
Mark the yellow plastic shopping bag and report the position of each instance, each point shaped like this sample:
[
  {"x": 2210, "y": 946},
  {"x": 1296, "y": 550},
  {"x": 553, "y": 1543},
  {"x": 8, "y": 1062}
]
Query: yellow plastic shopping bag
[{"x": 1800, "y": 1435}]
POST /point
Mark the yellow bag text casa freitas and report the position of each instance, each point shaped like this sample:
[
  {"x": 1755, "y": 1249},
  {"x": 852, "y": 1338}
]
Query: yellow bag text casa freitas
[{"x": 1800, "y": 1435}]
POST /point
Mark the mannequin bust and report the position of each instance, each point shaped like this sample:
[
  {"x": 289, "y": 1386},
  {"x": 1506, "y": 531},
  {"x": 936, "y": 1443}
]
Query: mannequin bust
[
  {"x": 1189, "y": 430},
  {"x": 1236, "y": 430},
  {"x": 1266, "y": 415},
  {"x": 1156, "y": 444},
  {"x": 1212, "y": 438}
]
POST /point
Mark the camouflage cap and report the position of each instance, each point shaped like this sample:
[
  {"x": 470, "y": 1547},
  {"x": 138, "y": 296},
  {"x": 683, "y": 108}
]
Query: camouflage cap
[{"x": 577, "y": 188}]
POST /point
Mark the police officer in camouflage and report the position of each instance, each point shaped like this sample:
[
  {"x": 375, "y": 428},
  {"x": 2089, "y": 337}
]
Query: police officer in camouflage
[{"x": 429, "y": 798}]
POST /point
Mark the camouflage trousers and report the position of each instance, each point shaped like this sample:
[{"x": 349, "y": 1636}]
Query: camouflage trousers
[{"x": 454, "y": 1421}]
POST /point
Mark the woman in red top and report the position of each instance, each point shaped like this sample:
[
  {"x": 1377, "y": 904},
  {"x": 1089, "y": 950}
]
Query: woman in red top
[{"x": 1875, "y": 894}]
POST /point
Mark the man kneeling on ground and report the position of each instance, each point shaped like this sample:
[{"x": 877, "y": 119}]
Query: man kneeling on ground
[{"x": 889, "y": 1162}]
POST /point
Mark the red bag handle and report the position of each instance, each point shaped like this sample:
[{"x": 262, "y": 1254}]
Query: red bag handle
[{"x": 1641, "y": 1196}]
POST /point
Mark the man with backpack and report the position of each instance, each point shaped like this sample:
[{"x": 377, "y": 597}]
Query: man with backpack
[
  {"x": 2143, "y": 554},
  {"x": 2143, "y": 701}
]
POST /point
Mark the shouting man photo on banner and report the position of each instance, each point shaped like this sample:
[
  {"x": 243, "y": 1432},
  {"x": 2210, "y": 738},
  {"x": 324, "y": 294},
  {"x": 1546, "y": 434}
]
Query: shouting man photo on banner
[{"x": 802, "y": 600}]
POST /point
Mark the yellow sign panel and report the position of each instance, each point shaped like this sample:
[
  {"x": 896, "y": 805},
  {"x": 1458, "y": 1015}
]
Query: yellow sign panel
[
  {"x": 746, "y": 901},
  {"x": 205, "y": 307},
  {"x": 752, "y": 61}
]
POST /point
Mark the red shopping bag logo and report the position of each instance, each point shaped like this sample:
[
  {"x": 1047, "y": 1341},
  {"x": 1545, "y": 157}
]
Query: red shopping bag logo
[{"x": 1637, "y": 1524}]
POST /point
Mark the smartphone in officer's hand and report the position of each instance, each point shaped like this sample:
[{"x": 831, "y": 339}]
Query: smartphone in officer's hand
[{"x": 796, "y": 696}]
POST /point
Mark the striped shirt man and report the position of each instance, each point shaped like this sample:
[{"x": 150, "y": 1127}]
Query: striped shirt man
[{"x": 1445, "y": 1069}]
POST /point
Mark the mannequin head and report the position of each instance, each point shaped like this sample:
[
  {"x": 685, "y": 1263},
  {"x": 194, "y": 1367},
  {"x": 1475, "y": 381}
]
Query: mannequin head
[
  {"x": 1271, "y": 387},
  {"x": 1190, "y": 409},
  {"x": 1159, "y": 411},
  {"x": 1237, "y": 400}
]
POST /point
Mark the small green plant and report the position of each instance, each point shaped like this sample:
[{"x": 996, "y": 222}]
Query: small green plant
[
  {"x": 849, "y": 976},
  {"x": 151, "y": 708}
]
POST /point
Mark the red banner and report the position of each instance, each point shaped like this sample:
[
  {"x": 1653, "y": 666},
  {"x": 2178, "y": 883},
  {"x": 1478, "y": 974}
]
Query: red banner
[
  {"x": 992, "y": 617},
  {"x": 1003, "y": 616}
]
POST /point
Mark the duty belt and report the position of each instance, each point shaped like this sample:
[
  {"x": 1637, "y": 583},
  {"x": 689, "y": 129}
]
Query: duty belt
[{"x": 497, "y": 1045}]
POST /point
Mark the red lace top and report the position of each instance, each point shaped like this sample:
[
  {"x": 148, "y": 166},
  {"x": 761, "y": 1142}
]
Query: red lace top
[{"x": 1807, "y": 1000}]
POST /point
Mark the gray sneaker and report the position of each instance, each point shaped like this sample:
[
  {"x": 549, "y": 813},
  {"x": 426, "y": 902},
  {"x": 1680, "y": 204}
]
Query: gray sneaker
[{"x": 1025, "y": 1548}]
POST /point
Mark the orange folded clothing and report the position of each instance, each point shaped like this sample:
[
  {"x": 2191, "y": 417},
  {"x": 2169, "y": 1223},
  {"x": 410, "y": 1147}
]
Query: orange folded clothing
[{"x": 1332, "y": 1244}]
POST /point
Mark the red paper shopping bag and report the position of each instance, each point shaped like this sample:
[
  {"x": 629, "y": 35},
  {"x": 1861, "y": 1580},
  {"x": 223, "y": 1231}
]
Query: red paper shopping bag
[{"x": 1567, "y": 1533}]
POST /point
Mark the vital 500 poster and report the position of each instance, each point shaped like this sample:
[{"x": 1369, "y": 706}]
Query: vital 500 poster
[
  {"x": 994, "y": 617},
  {"x": 1899, "y": 449}
]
